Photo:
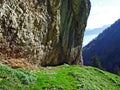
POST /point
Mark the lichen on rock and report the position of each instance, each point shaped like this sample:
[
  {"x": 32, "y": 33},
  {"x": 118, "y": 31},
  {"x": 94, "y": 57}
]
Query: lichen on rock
[{"x": 44, "y": 32}]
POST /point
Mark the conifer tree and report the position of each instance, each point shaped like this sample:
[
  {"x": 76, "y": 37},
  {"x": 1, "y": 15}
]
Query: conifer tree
[{"x": 96, "y": 62}]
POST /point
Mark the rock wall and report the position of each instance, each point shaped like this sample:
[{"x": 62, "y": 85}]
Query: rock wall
[{"x": 43, "y": 32}]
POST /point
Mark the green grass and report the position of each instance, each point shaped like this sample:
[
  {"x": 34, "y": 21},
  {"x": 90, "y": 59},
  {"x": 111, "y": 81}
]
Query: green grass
[{"x": 63, "y": 77}]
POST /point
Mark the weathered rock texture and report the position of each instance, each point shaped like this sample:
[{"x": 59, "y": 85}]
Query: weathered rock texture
[{"x": 44, "y": 32}]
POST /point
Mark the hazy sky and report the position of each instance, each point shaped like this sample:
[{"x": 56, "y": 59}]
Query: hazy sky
[{"x": 103, "y": 12}]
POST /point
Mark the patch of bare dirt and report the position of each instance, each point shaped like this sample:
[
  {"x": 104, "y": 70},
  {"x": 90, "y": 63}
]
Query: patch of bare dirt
[{"x": 16, "y": 62}]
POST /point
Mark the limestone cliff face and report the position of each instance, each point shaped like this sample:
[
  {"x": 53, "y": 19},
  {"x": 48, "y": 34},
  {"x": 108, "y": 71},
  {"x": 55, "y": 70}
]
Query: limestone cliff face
[{"x": 44, "y": 32}]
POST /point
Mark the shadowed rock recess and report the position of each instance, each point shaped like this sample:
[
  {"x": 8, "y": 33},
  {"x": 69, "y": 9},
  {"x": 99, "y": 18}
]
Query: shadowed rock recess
[{"x": 43, "y": 32}]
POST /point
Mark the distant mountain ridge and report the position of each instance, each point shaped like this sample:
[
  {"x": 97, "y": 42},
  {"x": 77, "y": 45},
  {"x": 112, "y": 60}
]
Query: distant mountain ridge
[
  {"x": 95, "y": 30},
  {"x": 106, "y": 46},
  {"x": 90, "y": 34}
]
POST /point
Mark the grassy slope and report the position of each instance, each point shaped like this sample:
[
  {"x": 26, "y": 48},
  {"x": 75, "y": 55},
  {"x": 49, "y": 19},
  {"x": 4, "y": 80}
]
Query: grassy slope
[{"x": 58, "y": 78}]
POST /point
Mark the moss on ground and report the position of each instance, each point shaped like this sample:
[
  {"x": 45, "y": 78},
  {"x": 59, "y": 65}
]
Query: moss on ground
[{"x": 63, "y": 77}]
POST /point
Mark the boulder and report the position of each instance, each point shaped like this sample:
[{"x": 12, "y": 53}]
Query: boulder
[{"x": 43, "y": 32}]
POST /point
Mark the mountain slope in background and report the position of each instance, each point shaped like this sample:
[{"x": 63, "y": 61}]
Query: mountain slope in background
[{"x": 106, "y": 46}]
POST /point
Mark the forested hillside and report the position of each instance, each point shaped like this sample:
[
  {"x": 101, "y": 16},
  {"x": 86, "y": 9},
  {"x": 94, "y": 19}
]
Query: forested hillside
[{"x": 106, "y": 47}]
